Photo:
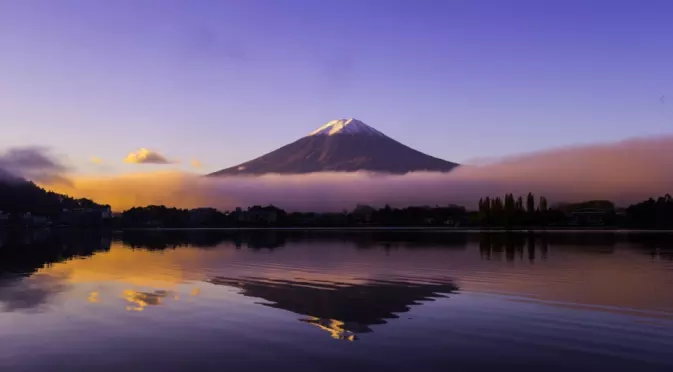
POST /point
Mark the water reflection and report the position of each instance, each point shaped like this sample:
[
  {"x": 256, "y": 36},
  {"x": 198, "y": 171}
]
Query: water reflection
[
  {"x": 341, "y": 309},
  {"x": 272, "y": 239},
  {"x": 138, "y": 301},
  {"x": 174, "y": 300},
  {"x": 38, "y": 266},
  {"x": 511, "y": 246},
  {"x": 30, "y": 294},
  {"x": 22, "y": 254}
]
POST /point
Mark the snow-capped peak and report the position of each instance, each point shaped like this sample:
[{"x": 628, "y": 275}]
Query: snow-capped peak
[{"x": 346, "y": 126}]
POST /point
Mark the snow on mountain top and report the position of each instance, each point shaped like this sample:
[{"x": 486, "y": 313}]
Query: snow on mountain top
[{"x": 345, "y": 126}]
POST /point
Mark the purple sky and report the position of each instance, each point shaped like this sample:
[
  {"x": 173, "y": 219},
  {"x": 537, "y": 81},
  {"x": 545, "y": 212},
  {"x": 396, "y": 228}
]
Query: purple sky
[{"x": 225, "y": 81}]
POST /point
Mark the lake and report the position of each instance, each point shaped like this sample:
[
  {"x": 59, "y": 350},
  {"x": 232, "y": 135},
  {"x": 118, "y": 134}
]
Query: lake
[{"x": 393, "y": 300}]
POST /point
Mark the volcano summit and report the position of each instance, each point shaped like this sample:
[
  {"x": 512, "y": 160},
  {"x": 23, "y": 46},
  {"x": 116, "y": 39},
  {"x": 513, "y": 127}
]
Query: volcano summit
[{"x": 345, "y": 145}]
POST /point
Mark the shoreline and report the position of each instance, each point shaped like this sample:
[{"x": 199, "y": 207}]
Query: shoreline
[
  {"x": 404, "y": 228},
  {"x": 420, "y": 229}
]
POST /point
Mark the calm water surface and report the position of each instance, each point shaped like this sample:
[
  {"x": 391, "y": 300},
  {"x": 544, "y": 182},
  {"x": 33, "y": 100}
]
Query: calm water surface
[{"x": 335, "y": 301}]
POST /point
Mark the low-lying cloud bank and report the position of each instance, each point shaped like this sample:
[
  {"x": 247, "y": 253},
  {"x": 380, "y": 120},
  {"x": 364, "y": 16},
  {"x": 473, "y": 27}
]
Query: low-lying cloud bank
[
  {"x": 34, "y": 163},
  {"x": 625, "y": 172}
]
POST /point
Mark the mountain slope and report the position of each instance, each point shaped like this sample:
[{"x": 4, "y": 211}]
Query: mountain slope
[
  {"x": 18, "y": 196},
  {"x": 346, "y": 145}
]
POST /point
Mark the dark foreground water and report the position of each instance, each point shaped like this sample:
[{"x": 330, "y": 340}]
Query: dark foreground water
[{"x": 335, "y": 301}]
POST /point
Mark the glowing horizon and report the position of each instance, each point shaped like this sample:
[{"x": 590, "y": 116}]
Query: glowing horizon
[{"x": 625, "y": 172}]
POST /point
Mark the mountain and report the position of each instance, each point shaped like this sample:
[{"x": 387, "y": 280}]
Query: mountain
[
  {"x": 345, "y": 145},
  {"x": 19, "y": 196},
  {"x": 6, "y": 177}
]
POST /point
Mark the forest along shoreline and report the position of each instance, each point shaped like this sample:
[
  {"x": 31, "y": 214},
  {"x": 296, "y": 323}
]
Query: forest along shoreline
[{"x": 26, "y": 205}]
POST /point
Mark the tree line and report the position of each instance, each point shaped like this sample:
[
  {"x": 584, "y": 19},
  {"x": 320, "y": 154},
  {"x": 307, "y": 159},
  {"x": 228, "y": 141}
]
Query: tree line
[
  {"x": 506, "y": 212},
  {"x": 509, "y": 211}
]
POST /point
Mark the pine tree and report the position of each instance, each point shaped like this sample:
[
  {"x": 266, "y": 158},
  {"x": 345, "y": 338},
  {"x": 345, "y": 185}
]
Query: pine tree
[
  {"x": 530, "y": 204},
  {"x": 543, "y": 210},
  {"x": 482, "y": 211},
  {"x": 519, "y": 212},
  {"x": 509, "y": 209},
  {"x": 487, "y": 211},
  {"x": 497, "y": 211}
]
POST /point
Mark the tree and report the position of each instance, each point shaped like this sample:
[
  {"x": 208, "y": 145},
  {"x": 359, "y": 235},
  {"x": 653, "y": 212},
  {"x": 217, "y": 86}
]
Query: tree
[
  {"x": 543, "y": 204},
  {"x": 530, "y": 204},
  {"x": 509, "y": 209},
  {"x": 482, "y": 216},
  {"x": 543, "y": 210},
  {"x": 652, "y": 213},
  {"x": 497, "y": 211},
  {"x": 519, "y": 212},
  {"x": 487, "y": 211}
]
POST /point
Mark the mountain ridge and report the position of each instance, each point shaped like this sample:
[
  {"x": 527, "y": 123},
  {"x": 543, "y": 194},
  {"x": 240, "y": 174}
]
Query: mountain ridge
[{"x": 344, "y": 145}]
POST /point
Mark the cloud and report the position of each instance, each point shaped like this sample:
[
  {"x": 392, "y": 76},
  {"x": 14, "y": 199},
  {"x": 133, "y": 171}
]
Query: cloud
[
  {"x": 145, "y": 156},
  {"x": 33, "y": 163},
  {"x": 96, "y": 160},
  {"x": 625, "y": 172},
  {"x": 32, "y": 293},
  {"x": 196, "y": 163}
]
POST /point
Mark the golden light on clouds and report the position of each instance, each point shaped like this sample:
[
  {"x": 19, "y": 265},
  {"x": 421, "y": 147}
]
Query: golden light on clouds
[
  {"x": 134, "y": 268},
  {"x": 145, "y": 156},
  {"x": 196, "y": 163},
  {"x": 624, "y": 172},
  {"x": 96, "y": 160},
  {"x": 124, "y": 191},
  {"x": 94, "y": 297},
  {"x": 135, "y": 279},
  {"x": 138, "y": 301}
]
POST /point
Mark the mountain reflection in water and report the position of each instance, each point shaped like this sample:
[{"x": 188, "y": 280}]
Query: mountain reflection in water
[
  {"x": 252, "y": 300},
  {"x": 341, "y": 309}
]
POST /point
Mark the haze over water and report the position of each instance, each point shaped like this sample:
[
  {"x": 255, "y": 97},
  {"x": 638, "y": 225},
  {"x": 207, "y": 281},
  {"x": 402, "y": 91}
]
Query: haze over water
[{"x": 252, "y": 300}]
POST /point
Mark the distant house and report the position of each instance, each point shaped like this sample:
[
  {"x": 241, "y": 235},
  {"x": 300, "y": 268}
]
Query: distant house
[
  {"x": 31, "y": 220},
  {"x": 257, "y": 214},
  {"x": 106, "y": 212},
  {"x": 452, "y": 222},
  {"x": 590, "y": 217},
  {"x": 153, "y": 223},
  {"x": 201, "y": 216},
  {"x": 84, "y": 216},
  {"x": 363, "y": 214}
]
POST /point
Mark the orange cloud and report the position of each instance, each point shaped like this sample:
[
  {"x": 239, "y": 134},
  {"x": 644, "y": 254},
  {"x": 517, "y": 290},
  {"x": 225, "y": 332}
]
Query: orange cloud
[
  {"x": 196, "y": 163},
  {"x": 128, "y": 190},
  {"x": 145, "y": 156}
]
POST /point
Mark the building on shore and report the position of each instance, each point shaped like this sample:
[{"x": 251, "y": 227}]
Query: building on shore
[
  {"x": 590, "y": 217},
  {"x": 257, "y": 214}
]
